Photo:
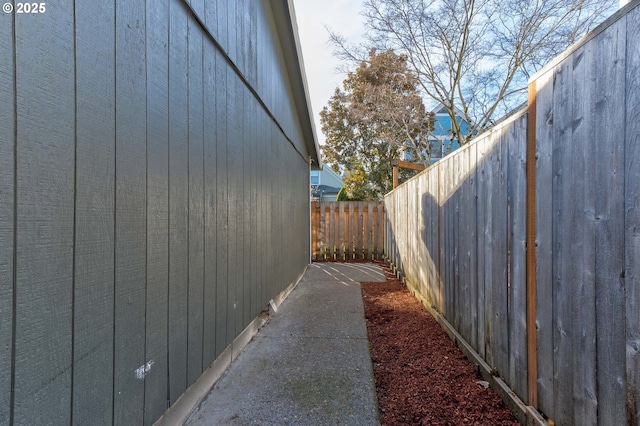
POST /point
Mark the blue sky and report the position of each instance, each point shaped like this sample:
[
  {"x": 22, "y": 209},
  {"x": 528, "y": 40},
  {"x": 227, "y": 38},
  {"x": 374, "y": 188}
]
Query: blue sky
[{"x": 322, "y": 77}]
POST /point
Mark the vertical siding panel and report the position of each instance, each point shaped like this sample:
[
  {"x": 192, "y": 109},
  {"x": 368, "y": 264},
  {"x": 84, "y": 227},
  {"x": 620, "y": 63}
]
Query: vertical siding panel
[
  {"x": 259, "y": 211},
  {"x": 178, "y": 201},
  {"x": 131, "y": 234},
  {"x": 273, "y": 203},
  {"x": 209, "y": 13},
  {"x": 245, "y": 204},
  {"x": 210, "y": 59},
  {"x": 221, "y": 11},
  {"x": 609, "y": 220},
  {"x": 256, "y": 305},
  {"x": 238, "y": 196},
  {"x": 632, "y": 217},
  {"x": 94, "y": 243},
  {"x": 240, "y": 57},
  {"x": 45, "y": 203},
  {"x": 252, "y": 43},
  {"x": 262, "y": 206},
  {"x": 251, "y": 206},
  {"x": 7, "y": 219},
  {"x": 223, "y": 233},
  {"x": 544, "y": 249},
  {"x": 263, "y": 212},
  {"x": 234, "y": 160},
  {"x": 196, "y": 204},
  {"x": 231, "y": 29},
  {"x": 263, "y": 43},
  {"x": 157, "y": 209},
  {"x": 198, "y": 7},
  {"x": 276, "y": 201}
]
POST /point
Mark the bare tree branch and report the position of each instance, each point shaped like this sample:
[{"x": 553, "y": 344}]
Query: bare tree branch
[{"x": 474, "y": 56}]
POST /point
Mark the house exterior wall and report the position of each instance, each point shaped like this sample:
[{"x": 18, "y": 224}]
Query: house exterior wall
[{"x": 153, "y": 169}]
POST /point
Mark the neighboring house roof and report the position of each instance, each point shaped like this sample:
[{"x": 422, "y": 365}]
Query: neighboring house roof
[
  {"x": 331, "y": 177},
  {"x": 284, "y": 16}
]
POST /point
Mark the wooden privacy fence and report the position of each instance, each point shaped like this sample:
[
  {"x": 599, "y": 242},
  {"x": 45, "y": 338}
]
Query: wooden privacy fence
[
  {"x": 527, "y": 239},
  {"x": 347, "y": 230}
]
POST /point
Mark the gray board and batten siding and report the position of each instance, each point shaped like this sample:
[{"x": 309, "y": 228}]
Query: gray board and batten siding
[
  {"x": 154, "y": 197},
  {"x": 458, "y": 232}
]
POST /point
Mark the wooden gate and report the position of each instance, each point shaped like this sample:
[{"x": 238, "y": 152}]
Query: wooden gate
[{"x": 347, "y": 230}]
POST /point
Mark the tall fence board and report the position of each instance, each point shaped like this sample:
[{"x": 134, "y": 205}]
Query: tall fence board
[
  {"x": 631, "y": 228},
  {"x": 587, "y": 335},
  {"x": 145, "y": 217},
  {"x": 347, "y": 230}
]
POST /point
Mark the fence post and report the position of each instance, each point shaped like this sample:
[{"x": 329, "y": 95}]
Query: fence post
[{"x": 532, "y": 360}]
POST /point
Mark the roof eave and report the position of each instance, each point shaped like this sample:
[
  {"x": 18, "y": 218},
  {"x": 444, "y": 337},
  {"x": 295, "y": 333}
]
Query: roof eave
[{"x": 287, "y": 27}]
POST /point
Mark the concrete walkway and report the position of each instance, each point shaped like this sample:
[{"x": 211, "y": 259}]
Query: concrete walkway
[{"x": 309, "y": 365}]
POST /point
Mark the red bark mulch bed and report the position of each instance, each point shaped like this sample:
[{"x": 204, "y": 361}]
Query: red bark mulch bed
[{"x": 422, "y": 377}]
